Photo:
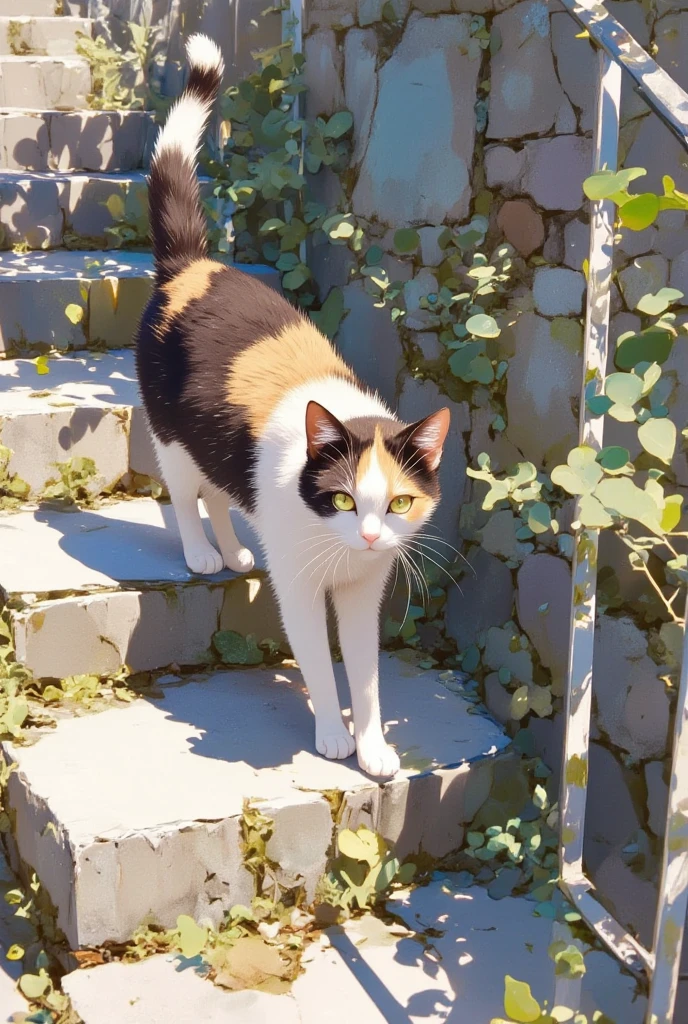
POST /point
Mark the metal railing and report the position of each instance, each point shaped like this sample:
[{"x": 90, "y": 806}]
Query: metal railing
[{"x": 618, "y": 52}]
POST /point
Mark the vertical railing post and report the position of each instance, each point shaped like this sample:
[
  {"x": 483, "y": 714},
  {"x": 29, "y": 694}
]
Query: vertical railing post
[
  {"x": 584, "y": 569},
  {"x": 673, "y": 883}
]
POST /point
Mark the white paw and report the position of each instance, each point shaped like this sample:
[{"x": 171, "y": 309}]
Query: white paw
[
  {"x": 204, "y": 559},
  {"x": 334, "y": 741},
  {"x": 377, "y": 758},
  {"x": 241, "y": 560}
]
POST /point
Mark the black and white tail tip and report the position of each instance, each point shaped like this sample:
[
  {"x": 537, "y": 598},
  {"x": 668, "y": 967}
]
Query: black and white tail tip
[{"x": 186, "y": 121}]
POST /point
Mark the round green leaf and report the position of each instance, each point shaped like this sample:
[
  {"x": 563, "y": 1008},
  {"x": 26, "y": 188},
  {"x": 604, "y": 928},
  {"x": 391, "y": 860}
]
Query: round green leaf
[
  {"x": 192, "y": 938},
  {"x": 622, "y": 496},
  {"x": 658, "y": 437},
  {"x": 483, "y": 326},
  {"x": 671, "y": 516},
  {"x": 640, "y": 211},
  {"x": 387, "y": 874},
  {"x": 539, "y": 517},
  {"x": 34, "y": 985},
  {"x": 655, "y": 305},
  {"x": 406, "y": 240},
  {"x": 360, "y": 845},
  {"x": 518, "y": 1001},
  {"x": 650, "y": 346},
  {"x": 623, "y": 388},
  {"x": 605, "y": 183},
  {"x": 374, "y": 255},
  {"x": 74, "y": 313},
  {"x": 338, "y": 125},
  {"x": 613, "y": 458}
]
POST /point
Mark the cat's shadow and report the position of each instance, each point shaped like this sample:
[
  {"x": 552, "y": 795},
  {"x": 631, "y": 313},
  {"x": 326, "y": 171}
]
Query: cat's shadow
[{"x": 129, "y": 543}]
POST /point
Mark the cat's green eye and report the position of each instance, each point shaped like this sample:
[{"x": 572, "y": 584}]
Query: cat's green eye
[
  {"x": 401, "y": 504},
  {"x": 343, "y": 502}
]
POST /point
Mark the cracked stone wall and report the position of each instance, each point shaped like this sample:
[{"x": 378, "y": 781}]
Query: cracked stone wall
[{"x": 487, "y": 106}]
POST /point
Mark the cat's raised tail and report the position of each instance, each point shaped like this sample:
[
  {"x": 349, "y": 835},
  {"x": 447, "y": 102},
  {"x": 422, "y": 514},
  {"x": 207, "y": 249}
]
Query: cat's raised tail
[{"x": 177, "y": 222}]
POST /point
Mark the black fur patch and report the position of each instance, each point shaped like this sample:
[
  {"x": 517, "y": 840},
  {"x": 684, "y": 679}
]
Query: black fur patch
[
  {"x": 183, "y": 374},
  {"x": 177, "y": 223}
]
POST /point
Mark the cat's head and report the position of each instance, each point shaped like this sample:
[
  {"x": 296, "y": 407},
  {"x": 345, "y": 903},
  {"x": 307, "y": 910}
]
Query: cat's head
[{"x": 374, "y": 480}]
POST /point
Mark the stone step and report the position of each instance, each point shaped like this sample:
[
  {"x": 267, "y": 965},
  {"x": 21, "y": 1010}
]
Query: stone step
[
  {"x": 47, "y": 210},
  {"x": 38, "y": 83},
  {"x": 52, "y": 37},
  {"x": 34, "y": 8},
  {"x": 87, "y": 406},
  {"x": 84, "y": 140},
  {"x": 106, "y": 587},
  {"x": 136, "y": 811},
  {"x": 375, "y": 973},
  {"x": 110, "y": 287},
  {"x": 37, "y": 287}
]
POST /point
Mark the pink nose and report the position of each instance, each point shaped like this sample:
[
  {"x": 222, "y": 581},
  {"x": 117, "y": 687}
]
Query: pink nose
[{"x": 370, "y": 537}]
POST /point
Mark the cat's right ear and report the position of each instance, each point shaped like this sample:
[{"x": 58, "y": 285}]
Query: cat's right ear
[{"x": 322, "y": 428}]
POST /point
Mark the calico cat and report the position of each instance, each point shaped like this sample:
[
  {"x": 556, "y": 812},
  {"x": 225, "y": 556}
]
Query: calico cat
[{"x": 251, "y": 407}]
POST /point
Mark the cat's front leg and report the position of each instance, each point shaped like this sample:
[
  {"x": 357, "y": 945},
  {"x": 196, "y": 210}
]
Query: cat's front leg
[
  {"x": 305, "y": 620},
  {"x": 358, "y": 609}
]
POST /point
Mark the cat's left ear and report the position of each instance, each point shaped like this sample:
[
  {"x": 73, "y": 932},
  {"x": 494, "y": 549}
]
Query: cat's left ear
[
  {"x": 428, "y": 436},
  {"x": 322, "y": 428}
]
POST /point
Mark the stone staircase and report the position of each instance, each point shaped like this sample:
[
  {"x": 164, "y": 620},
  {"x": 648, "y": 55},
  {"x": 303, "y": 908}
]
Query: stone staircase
[{"x": 137, "y": 810}]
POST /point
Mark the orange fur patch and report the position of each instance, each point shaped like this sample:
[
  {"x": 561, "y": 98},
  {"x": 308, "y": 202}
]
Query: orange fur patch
[
  {"x": 192, "y": 283},
  {"x": 398, "y": 482},
  {"x": 263, "y": 374}
]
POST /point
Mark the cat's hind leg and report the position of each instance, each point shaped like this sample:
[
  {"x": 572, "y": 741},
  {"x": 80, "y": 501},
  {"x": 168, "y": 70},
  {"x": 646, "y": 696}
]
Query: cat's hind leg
[
  {"x": 184, "y": 481},
  {"x": 235, "y": 556}
]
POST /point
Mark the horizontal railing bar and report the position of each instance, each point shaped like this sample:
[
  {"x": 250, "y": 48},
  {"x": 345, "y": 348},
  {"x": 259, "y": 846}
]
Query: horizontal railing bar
[
  {"x": 668, "y": 100},
  {"x": 633, "y": 956}
]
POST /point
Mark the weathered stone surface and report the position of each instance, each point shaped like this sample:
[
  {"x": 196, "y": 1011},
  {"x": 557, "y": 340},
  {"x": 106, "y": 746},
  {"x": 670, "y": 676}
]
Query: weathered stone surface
[
  {"x": 632, "y": 704},
  {"x": 631, "y": 899},
  {"x": 577, "y": 65},
  {"x": 55, "y": 37},
  {"x": 485, "y": 598},
  {"x": 645, "y": 274},
  {"x": 429, "y": 344},
  {"x": 86, "y": 411},
  {"x": 610, "y": 815},
  {"x": 543, "y": 379},
  {"x": 497, "y": 698},
  {"x": 671, "y": 37},
  {"x": 224, "y": 739},
  {"x": 635, "y": 243},
  {"x": 323, "y": 73},
  {"x": 429, "y": 181},
  {"x": 432, "y": 6},
  {"x": 369, "y": 342},
  {"x": 430, "y": 252},
  {"x": 92, "y": 140},
  {"x": 156, "y": 989},
  {"x": 44, "y": 83},
  {"x": 331, "y": 14},
  {"x": 525, "y": 95},
  {"x": 679, "y": 273},
  {"x": 498, "y": 536},
  {"x": 576, "y": 244},
  {"x": 420, "y": 398},
  {"x": 623, "y": 322},
  {"x": 503, "y": 453},
  {"x": 360, "y": 84},
  {"x": 494, "y": 937},
  {"x": 558, "y": 291},
  {"x": 31, "y": 215},
  {"x": 555, "y": 171},
  {"x": 566, "y": 122},
  {"x": 657, "y": 797},
  {"x": 670, "y": 238},
  {"x": 424, "y": 283},
  {"x": 553, "y": 249},
  {"x": 521, "y": 225},
  {"x": 655, "y": 148},
  {"x": 544, "y": 582},
  {"x": 504, "y": 167}
]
